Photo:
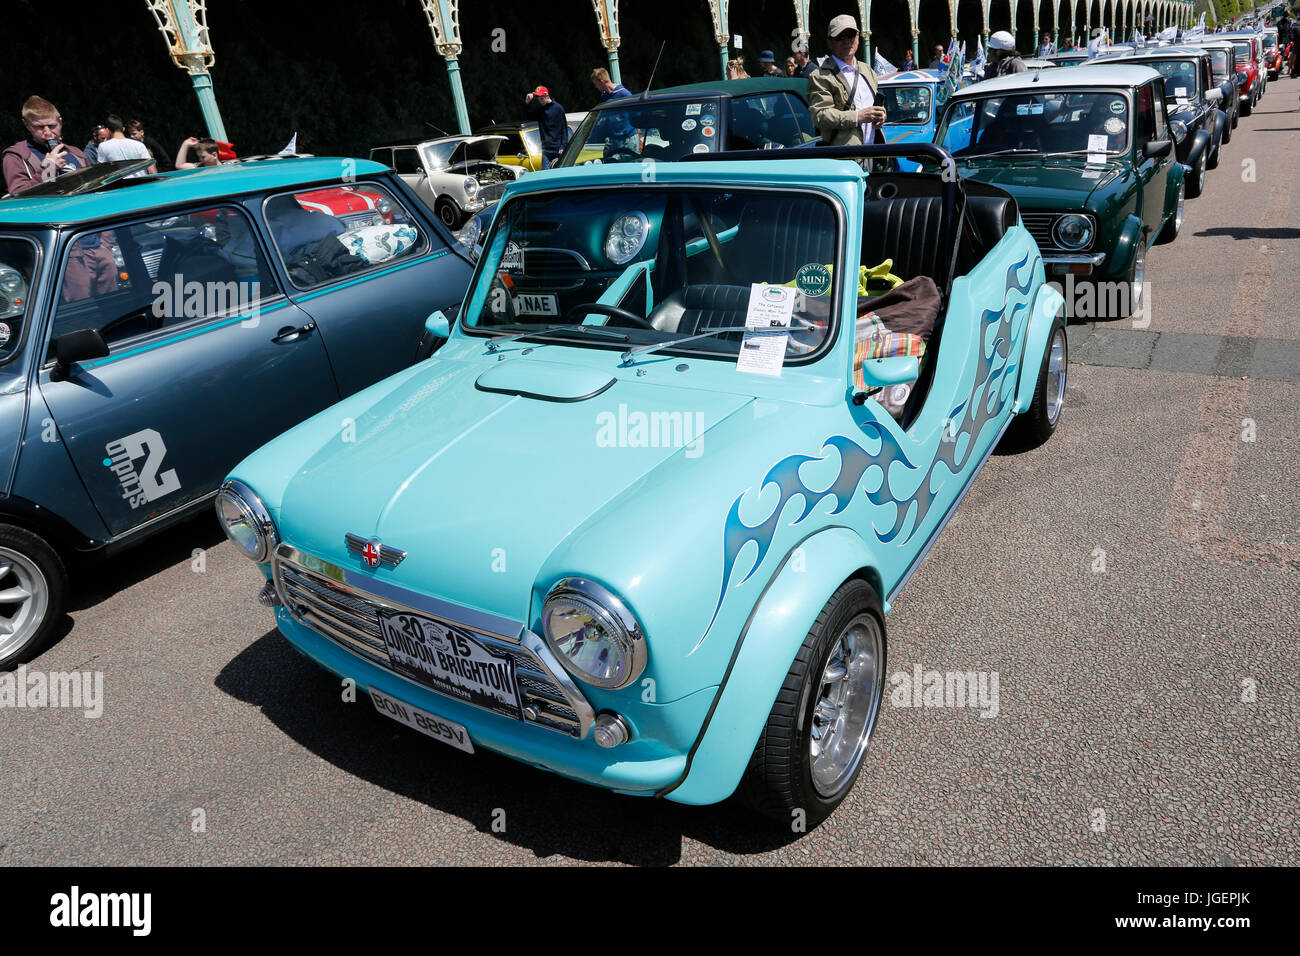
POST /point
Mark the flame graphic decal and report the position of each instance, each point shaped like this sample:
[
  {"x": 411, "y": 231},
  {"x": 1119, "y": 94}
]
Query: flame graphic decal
[{"x": 994, "y": 384}]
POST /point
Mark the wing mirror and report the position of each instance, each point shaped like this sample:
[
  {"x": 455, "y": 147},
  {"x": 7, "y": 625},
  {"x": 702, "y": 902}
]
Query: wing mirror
[
  {"x": 1213, "y": 95},
  {"x": 1157, "y": 148},
  {"x": 437, "y": 325},
  {"x": 894, "y": 370},
  {"x": 79, "y": 346}
]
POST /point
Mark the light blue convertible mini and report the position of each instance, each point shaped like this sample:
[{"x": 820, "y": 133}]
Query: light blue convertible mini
[{"x": 640, "y": 518}]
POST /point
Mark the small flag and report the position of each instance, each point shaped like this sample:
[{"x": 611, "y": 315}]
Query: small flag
[
  {"x": 883, "y": 66},
  {"x": 292, "y": 148}
]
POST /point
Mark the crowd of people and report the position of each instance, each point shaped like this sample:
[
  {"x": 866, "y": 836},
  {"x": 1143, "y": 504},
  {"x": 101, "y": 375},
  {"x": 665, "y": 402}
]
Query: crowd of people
[{"x": 44, "y": 155}]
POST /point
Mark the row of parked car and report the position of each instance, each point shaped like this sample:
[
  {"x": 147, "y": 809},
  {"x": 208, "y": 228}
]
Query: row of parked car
[{"x": 625, "y": 486}]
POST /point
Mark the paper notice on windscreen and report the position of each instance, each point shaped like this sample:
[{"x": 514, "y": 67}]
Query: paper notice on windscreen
[
  {"x": 1097, "y": 148},
  {"x": 767, "y": 328}
]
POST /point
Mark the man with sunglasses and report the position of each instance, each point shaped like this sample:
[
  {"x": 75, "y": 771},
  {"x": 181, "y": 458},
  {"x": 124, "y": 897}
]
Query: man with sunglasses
[
  {"x": 43, "y": 155},
  {"x": 842, "y": 92}
]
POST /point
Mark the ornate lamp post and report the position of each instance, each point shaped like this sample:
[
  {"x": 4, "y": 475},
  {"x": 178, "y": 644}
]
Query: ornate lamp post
[
  {"x": 444, "y": 21},
  {"x": 607, "y": 20},
  {"x": 865, "y": 24},
  {"x": 718, "y": 9},
  {"x": 184, "y": 25}
]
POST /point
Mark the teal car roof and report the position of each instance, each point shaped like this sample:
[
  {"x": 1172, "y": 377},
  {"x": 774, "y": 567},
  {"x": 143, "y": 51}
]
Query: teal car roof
[{"x": 206, "y": 183}]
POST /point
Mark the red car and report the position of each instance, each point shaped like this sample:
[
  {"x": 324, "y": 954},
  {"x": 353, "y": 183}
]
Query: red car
[
  {"x": 1272, "y": 54},
  {"x": 354, "y": 207},
  {"x": 1249, "y": 60}
]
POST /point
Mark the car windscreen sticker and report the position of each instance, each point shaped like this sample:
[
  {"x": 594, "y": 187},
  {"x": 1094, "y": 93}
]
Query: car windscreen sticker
[
  {"x": 693, "y": 109},
  {"x": 513, "y": 258},
  {"x": 4, "y": 333},
  {"x": 1117, "y": 106},
  {"x": 1097, "y": 143},
  {"x": 813, "y": 279},
  {"x": 707, "y": 119},
  {"x": 700, "y": 148},
  {"x": 688, "y": 125},
  {"x": 1114, "y": 126},
  {"x": 1180, "y": 91},
  {"x": 767, "y": 329},
  {"x": 706, "y": 130}
]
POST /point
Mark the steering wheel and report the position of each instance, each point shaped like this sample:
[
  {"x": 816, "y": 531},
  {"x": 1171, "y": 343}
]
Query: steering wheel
[
  {"x": 612, "y": 153},
  {"x": 613, "y": 311}
]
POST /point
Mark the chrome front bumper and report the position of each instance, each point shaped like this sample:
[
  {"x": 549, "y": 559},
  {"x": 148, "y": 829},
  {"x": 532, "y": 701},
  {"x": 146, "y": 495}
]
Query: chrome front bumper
[{"x": 1062, "y": 264}]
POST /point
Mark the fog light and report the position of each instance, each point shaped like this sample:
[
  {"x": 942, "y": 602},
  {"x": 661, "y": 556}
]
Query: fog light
[
  {"x": 610, "y": 731},
  {"x": 268, "y": 596}
]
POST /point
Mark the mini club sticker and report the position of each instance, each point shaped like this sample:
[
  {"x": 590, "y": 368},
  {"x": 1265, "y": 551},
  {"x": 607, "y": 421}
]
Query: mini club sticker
[
  {"x": 700, "y": 148},
  {"x": 5, "y": 333},
  {"x": 688, "y": 125},
  {"x": 1114, "y": 126},
  {"x": 1117, "y": 106},
  {"x": 813, "y": 279}
]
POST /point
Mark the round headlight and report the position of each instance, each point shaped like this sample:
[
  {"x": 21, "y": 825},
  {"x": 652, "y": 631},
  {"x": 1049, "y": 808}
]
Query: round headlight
[
  {"x": 593, "y": 634},
  {"x": 1073, "y": 232},
  {"x": 626, "y": 237},
  {"x": 471, "y": 186},
  {"x": 384, "y": 206},
  {"x": 246, "y": 521},
  {"x": 10, "y": 280}
]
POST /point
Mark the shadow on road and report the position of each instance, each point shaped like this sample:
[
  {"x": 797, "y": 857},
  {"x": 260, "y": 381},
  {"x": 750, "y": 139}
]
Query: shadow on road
[
  {"x": 95, "y": 580},
  {"x": 1252, "y": 232},
  {"x": 544, "y": 813}
]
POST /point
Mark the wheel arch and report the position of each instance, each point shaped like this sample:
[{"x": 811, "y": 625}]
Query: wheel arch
[
  {"x": 1048, "y": 304},
  {"x": 57, "y": 531},
  {"x": 766, "y": 649}
]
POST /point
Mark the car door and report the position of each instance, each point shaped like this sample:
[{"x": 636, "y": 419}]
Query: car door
[
  {"x": 207, "y": 359},
  {"x": 1151, "y": 124},
  {"x": 370, "y": 303},
  {"x": 406, "y": 162}
]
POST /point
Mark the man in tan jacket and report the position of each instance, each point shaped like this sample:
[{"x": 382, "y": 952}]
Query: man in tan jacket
[{"x": 842, "y": 93}]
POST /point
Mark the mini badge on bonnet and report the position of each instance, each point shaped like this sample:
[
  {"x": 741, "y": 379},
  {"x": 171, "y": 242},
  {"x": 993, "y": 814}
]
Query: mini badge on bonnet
[{"x": 374, "y": 552}]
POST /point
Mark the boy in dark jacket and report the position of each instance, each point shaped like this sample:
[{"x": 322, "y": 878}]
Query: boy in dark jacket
[{"x": 551, "y": 125}]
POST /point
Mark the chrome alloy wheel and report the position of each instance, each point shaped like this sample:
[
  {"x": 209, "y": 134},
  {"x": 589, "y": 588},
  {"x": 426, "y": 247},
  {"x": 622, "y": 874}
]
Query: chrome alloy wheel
[
  {"x": 1178, "y": 213},
  {"x": 849, "y": 697},
  {"x": 1057, "y": 360},
  {"x": 1200, "y": 173},
  {"x": 24, "y": 600}
]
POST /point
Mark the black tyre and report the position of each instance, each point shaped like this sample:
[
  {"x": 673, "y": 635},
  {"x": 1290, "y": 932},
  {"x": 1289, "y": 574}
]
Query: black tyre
[
  {"x": 1228, "y": 127},
  {"x": 1035, "y": 424},
  {"x": 1213, "y": 161},
  {"x": 448, "y": 213},
  {"x": 33, "y": 594},
  {"x": 1195, "y": 180},
  {"x": 1247, "y": 106},
  {"x": 1174, "y": 224},
  {"x": 811, "y": 749}
]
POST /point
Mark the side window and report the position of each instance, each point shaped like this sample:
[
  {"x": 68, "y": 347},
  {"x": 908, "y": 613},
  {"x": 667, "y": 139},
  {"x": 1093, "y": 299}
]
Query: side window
[
  {"x": 327, "y": 234},
  {"x": 762, "y": 122},
  {"x": 1146, "y": 122},
  {"x": 956, "y": 136},
  {"x": 406, "y": 160},
  {"x": 802, "y": 116},
  {"x": 144, "y": 277},
  {"x": 1158, "y": 96},
  {"x": 384, "y": 156}
]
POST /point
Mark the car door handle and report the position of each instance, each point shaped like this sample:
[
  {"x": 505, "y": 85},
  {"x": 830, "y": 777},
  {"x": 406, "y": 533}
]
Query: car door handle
[{"x": 290, "y": 332}]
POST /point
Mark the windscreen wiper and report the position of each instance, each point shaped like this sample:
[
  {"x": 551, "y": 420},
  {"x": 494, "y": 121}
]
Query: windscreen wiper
[
  {"x": 798, "y": 325},
  {"x": 998, "y": 152},
  {"x": 497, "y": 339}
]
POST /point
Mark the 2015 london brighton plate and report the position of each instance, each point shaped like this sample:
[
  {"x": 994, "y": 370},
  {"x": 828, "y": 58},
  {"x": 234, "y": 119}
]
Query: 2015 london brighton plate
[{"x": 452, "y": 662}]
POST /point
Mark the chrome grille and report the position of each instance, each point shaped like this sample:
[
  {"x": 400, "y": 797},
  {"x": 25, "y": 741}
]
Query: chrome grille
[
  {"x": 491, "y": 192},
  {"x": 350, "y": 618},
  {"x": 352, "y": 220}
]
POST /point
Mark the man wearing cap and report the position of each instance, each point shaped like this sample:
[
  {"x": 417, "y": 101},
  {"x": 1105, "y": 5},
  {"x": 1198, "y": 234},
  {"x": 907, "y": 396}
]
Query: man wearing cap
[
  {"x": 1003, "y": 58},
  {"x": 767, "y": 65},
  {"x": 551, "y": 125},
  {"x": 1096, "y": 43},
  {"x": 842, "y": 92}
]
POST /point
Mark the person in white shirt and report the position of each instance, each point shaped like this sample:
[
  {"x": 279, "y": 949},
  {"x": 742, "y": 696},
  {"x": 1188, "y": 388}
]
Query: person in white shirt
[{"x": 119, "y": 146}]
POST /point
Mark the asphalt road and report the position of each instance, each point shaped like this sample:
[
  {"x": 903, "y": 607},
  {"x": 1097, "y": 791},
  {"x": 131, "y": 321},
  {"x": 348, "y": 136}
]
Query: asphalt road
[{"x": 1133, "y": 584}]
